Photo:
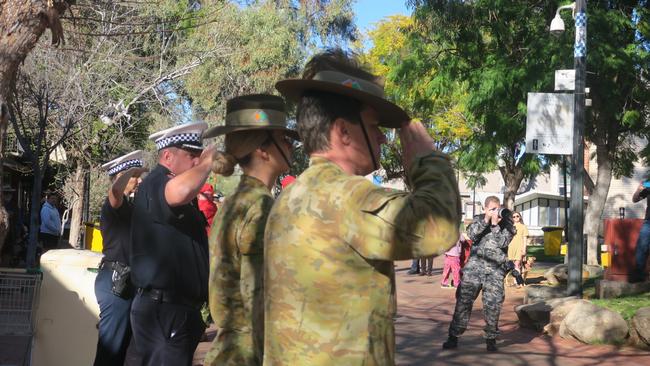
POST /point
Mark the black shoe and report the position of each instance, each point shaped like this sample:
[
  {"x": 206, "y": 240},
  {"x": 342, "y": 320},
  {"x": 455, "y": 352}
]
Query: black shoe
[
  {"x": 412, "y": 272},
  {"x": 451, "y": 343},
  {"x": 491, "y": 345}
]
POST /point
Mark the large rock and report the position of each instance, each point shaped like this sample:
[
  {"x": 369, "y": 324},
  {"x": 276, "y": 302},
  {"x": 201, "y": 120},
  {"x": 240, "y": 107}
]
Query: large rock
[
  {"x": 640, "y": 328},
  {"x": 537, "y": 315},
  {"x": 592, "y": 271},
  {"x": 557, "y": 275},
  {"x": 612, "y": 289},
  {"x": 538, "y": 293},
  {"x": 533, "y": 316},
  {"x": 560, "y": 312},
  {"x": 560, "y": 274},
  {"x": 589, "y": 323}
]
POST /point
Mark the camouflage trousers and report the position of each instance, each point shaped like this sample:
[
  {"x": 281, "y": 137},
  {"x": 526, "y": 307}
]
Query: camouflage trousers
[
  {"x": 491, "y": 283},
  {"x": 232, "y": 347}
]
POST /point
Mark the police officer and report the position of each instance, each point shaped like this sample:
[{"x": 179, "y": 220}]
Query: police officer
[
  {"x": 112, "y": 286},
  {"x": 332, "y": 236},
  {"x": 169, "y": 257},
  {"x": 485, "y": 271},
  {"x": 258, "y": 140}
]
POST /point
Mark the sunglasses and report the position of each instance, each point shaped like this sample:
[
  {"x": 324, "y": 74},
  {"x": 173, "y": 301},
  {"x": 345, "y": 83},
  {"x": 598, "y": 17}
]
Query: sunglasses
[{"x": 516, "y": 216}]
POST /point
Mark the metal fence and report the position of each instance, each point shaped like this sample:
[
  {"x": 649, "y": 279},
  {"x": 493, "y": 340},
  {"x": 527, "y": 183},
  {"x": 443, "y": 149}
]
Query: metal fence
[{"x": 19, "y": 293}]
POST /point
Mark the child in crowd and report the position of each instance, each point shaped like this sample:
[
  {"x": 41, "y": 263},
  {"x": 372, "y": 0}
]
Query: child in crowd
[{"x": 452, "y": 264}]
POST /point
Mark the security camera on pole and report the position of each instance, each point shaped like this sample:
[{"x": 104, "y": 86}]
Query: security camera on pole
[
  {"x": 577, "y": 196},
  {"x": 555, "y": 125}
]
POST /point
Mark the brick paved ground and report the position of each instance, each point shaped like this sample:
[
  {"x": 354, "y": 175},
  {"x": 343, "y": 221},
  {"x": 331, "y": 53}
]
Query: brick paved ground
[{"x": 424, "y": 313}]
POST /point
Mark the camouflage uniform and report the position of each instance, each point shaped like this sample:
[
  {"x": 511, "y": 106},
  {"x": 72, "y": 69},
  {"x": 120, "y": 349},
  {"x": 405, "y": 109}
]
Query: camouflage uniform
[
  {"x": 485, "y": 271},
  {"x": 329, "y": 245},
  {"x": 235, "y": 286}
]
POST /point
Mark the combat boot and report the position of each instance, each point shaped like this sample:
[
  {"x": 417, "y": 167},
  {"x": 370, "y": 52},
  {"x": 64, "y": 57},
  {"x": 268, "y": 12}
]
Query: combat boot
[
  {"x": 491, "y": 345},
  {"x": 451, "y": 343}
]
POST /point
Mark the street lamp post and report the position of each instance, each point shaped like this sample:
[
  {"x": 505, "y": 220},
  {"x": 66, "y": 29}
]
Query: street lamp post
[{"x": 576, "y": 239}]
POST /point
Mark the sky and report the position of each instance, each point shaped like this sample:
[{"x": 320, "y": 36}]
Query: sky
[{"x": 371, "y": 11}]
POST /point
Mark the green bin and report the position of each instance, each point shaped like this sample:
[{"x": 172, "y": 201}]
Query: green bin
[{"x": 552, "y": 239}]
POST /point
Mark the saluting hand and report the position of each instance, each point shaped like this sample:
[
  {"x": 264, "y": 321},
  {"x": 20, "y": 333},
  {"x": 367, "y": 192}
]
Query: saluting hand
[
  {"x": 136, "y": 171},
  {"x": 416, "y": 141},
  {"x": 207, "y": 156}
]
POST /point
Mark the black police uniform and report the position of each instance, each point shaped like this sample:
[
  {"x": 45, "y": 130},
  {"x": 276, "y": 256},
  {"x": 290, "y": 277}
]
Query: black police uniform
[
  {"x": 114, "y": 321},
  {"x": 169, "y": 266}
]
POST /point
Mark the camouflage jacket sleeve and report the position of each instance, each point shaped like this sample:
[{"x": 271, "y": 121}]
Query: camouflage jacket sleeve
[
  {"x": 250, "y": 233},
  {"x": 503, "y": 235},
  {"x": 399, "y": 225},
  {"x": 477, "y": 229},
  {"x": 251, "y": 246}
]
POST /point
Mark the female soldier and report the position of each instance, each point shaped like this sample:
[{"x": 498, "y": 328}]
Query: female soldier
[{"x": 258, "y": 140}]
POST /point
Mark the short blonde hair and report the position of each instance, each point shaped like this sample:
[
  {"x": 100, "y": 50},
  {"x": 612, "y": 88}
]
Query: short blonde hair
[{"x": 492, "y": 199}]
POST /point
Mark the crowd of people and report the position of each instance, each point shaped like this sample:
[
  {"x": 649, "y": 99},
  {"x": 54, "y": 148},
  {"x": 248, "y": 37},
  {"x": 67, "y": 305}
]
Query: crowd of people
[{"x": 304, "y": 279}]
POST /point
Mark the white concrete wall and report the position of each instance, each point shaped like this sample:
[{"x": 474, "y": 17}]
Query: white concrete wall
[{"x": 67, "y": 315}]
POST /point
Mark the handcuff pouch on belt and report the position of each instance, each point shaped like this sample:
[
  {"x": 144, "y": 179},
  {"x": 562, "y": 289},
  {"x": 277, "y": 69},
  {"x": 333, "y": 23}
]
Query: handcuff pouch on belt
[{"x": 121, "y": 280}]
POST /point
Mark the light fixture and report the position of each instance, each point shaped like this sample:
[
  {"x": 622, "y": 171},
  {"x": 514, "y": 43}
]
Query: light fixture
[{"x": 557, "y": 24}]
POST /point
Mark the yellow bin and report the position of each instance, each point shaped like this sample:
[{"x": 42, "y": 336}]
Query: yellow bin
[
  {"x": 604, "y": 259},
  {"x": 552, "y": 239},
  {"x": 94, "y": 240}
]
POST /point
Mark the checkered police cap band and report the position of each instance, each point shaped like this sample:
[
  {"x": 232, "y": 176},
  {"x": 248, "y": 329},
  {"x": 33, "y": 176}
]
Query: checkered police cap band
[
  {"x": 124, "y": 166},
  {"x": 180, "y": 139}
]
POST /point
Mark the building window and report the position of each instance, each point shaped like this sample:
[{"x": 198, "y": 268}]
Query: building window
[
  {"x": 562, "y": 213},
  {"x": 553, "y": 212},
  {"x": 543, "y": 216},
  {"x": 525, "y": 214},
  {"x": 561, "y": 187}
]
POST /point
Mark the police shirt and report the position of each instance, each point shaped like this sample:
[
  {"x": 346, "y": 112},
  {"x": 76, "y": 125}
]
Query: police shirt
[
  {"x": 115, "y": 223},
  {"x": 169, "y": 244}
]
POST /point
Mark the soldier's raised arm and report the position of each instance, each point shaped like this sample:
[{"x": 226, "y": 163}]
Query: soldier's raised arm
[{"x": 391, "y": 225}]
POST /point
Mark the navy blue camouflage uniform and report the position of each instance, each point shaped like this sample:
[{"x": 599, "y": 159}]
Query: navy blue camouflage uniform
[{"x": 485, "y": 271}]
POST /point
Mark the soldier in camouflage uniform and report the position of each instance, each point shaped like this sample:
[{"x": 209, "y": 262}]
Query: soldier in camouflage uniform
[
  {"x": 257, "y": 139},
  {"x": 332, "y": 236},
  {"x": 485, "y": 270}
]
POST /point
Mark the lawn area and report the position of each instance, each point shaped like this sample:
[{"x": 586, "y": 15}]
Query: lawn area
[
  {"x": 626, "y": 306},
  {"x": 538, "y": 252}
]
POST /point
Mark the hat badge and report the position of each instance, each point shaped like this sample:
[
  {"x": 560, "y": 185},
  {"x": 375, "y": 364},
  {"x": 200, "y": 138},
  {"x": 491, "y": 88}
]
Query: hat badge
[
  {"x": 261, "y": 117},
  {"x": 352, "y": 84}
]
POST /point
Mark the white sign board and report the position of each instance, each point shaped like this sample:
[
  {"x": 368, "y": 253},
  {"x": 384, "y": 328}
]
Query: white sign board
[
  {"x": 549, "y": 123},
  {"x": 565, "y": 80}
]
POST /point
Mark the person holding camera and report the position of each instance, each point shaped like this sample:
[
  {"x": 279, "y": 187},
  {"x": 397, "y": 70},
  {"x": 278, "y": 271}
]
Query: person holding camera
[
  {"x": 112, "y": 285},
  {"x": 485, "y": 271}
]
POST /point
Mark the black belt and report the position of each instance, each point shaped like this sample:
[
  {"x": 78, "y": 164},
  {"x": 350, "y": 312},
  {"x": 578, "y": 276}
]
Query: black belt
[
  {"x": 107, "y": 264},
  {"x": 162, "y": 296}
]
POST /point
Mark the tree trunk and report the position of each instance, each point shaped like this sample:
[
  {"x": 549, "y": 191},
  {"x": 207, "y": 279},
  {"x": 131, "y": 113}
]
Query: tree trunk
[
  {"x": 77, "y": 202},
  {"x": 512, "y": 178},
  {"x": 597, "y": 202},
  {"x": 34, "y": 215},
  {"x": 21, "y": 25},
  {"x": 4, "y": 216}
]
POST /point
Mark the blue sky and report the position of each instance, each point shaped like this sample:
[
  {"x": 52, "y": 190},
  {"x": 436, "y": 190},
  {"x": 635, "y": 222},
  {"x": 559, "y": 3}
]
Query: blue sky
[{"x": 371, "y": 11}]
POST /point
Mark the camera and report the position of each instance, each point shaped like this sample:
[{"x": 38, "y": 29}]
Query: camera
[{"x": 504, "y": 213}]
